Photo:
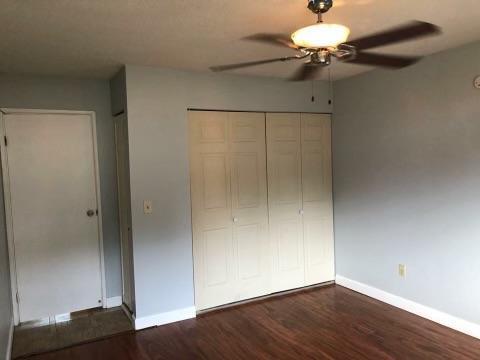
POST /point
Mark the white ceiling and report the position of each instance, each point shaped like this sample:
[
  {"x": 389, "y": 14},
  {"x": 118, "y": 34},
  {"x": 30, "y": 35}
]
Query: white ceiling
[{"x": 92, "y": 38}]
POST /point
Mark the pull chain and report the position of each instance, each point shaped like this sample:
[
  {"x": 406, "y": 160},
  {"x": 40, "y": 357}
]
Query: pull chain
[
  {"x": 331, "y": 86},
  {"x": 313, "y": 93}
]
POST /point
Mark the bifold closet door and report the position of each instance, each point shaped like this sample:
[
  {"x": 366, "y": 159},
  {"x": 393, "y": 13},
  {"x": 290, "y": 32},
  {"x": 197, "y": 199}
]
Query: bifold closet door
[
  {"x": 211, "y": 209},
  {"x": 317, "y": 198},
  {"x": 229, "y": 206},
  {"x": 285, "y": 200},
  {"x": 249, "y": 204}
]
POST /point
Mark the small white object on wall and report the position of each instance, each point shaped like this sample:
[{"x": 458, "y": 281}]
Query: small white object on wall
[
  {"x": 476, "y": 82},
  {"x": 148, "y": 206}
]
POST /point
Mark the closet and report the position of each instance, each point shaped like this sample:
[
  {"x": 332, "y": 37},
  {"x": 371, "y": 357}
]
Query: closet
[{"x": 261, "y": 203}]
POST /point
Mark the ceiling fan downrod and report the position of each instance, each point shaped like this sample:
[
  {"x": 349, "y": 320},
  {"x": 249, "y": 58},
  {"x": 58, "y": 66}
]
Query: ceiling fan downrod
[{"x": 320, "y": 6}]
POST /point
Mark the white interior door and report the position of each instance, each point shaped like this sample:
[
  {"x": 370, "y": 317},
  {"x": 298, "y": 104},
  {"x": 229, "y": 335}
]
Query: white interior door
[
  {"x": 124, "y": 210},
  {"x": 249, "y": 204},
  {"x": 317, "y": 198},
  {"x": 213, "y": 249},
  {"x": 52, "y": 176},
  {"x": 285, "y": 200}
]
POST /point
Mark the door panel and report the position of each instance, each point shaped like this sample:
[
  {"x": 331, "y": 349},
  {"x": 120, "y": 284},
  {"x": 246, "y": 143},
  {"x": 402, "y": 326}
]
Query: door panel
[
  {"x": 213, "y": 247},
  {"x": 289, "y": 255},
  {"x": 286, "y": 179},
  {"x": 246, "y": 180},
  {"x": 249, "y": 203},
  {"x": 249, "y": 258},
  {"x": 217, "y": 244},
  {"x": 285, "y": 201},
  {"x": 317, "y": 198},
  {"x": 215, "y": 181},
  {"x": 51, "y": 167}
]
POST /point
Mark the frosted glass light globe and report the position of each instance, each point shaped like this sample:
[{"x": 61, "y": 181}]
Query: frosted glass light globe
[{"x": 321, "y": 35}]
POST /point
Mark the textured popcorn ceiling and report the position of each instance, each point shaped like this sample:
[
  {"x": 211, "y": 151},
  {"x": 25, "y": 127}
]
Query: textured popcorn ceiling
[{"x": 92, "y": 38}]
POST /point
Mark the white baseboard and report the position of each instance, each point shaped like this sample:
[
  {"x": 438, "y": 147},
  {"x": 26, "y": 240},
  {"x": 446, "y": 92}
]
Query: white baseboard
[
  {"x": 426, "y": 312},
  {"x": 114, "y": 302},
  {"x": 165, "y": 318},
  {"x": 8, "y": 355}
]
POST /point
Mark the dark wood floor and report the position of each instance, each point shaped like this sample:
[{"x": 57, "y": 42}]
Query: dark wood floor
[{"x": 325, "y": 323}]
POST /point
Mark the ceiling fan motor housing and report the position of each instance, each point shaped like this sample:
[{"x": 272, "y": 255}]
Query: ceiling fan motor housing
[
  {"x": 322, "y": 57},
  {"x": 320, "y": 6}
]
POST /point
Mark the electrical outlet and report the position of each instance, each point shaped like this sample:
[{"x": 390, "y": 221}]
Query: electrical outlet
[
  {"x": 147, "y": 207},
  {"x": 402, "y": 270}
]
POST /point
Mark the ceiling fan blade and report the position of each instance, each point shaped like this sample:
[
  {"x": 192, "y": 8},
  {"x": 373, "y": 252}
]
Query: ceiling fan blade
[
  {"x": 410, "y": 31},
  {"x": 272, "y": 39},
  {"x": 306, "y": 72},
  {"x": 384, "y": 60},
  {"x": 252, "y": 63}
]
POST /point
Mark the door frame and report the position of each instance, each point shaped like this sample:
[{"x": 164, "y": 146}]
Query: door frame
[
  {"x": 8, "y": 205},
  {"x": 130, "y": 307}
]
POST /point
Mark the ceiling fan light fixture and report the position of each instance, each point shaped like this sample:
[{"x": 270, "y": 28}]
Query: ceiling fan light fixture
[{"x": 321, "y": 35}]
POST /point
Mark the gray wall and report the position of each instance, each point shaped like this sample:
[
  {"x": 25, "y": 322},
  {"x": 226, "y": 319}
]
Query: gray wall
[
  {"x": 69, "y": 94},
  {"x": 158, "y": 100},
  {"x": 407, "y": 181},
  {"x": 6, "y": 316}
]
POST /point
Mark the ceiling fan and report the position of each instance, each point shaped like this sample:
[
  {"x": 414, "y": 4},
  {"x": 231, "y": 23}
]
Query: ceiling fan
[{"x": 320, "y": 42}]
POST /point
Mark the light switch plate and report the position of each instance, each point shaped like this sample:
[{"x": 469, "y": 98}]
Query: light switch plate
[
  {"x": 147, "y": 207},
  {"x": 402, "y": 270},
  {"x": 476, "y": 82}
]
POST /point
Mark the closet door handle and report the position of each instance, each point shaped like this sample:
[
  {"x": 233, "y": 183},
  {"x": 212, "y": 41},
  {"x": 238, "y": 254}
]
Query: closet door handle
[
  {"x": 235, "y": 219},
  {"x": 301, "y": 212}
]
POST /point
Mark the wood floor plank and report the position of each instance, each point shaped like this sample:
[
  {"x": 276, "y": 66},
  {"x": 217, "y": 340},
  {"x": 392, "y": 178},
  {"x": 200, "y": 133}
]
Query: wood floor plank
[{"x": 323, "y": 323}]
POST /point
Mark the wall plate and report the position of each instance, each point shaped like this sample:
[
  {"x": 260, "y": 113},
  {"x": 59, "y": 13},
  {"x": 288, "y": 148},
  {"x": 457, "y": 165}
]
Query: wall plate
[{"x": 476, "y": 82}]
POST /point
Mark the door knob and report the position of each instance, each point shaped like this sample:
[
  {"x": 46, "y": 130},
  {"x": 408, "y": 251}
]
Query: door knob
[
  {"x": 300, "y": 212},
  {"x": 90, "y": 212},
  {"x": 235, "y": 219}
]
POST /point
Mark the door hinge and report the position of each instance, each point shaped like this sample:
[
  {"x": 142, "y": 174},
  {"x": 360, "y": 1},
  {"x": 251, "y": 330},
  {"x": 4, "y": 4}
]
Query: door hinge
[
  {"x": 5, "y": 140},
  {"x": 18, "y": 298}
]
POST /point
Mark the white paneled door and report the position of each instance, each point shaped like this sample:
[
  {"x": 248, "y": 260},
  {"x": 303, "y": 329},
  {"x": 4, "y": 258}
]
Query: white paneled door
[
  {"x": 262, "y": 213},
  {"x": 249, "y": 203},
  {"x": 285, "y": 201},
  {"x": 211, "y": 209},
  {"x": 229, "y": 206},
  {"x": 51, "y": 171},
  {"x": 317, "y": 198}
]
